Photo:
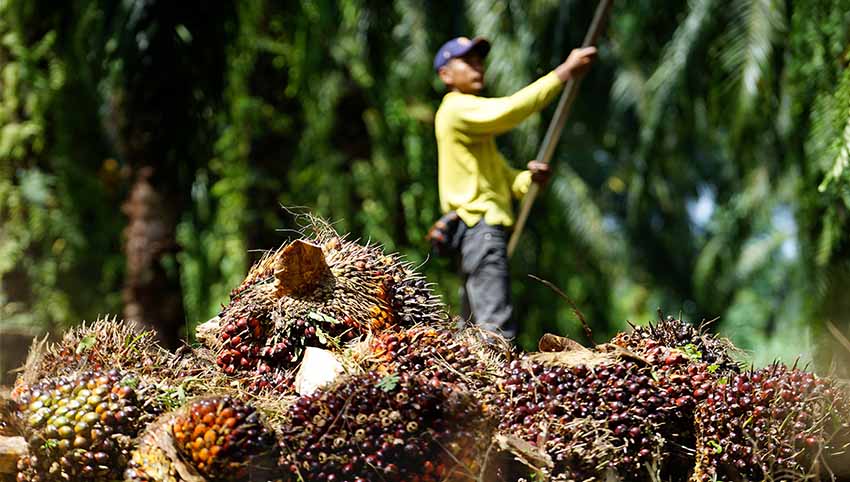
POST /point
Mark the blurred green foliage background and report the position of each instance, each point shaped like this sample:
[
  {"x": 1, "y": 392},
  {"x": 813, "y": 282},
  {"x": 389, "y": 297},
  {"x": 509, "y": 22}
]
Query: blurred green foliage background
[{"x": 148, "y": 149}]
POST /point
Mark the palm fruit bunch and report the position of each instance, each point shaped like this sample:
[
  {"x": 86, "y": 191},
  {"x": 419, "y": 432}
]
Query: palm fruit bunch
[
  {"x": 374, "y": 427},
  {"x": 776, "y": 423},
  {"x": 589, "y": 419},
  {"x": 674, "y": 342},
  {"x": 317, "y": 291},
  {"x": 80, "y": 426},
  {"x": 441, "y": 353},
  {"x": 687, "y": 362},
  {"x": 211, "y": 439},
  {"x": 224, "y": 439},
  {"x": 106, "y": 344},
  {"x": 8, "y": 416}
]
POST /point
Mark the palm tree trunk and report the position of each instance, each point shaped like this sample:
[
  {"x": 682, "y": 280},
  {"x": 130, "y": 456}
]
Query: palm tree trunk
[{"x": 152, "y": 295}]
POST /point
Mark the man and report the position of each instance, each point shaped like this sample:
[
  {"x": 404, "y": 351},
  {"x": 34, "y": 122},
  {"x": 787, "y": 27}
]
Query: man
[{"x": 475, "y": 181}]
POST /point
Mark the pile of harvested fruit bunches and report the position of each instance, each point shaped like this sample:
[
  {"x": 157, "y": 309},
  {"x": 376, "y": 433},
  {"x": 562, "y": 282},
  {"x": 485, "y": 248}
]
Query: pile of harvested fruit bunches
[
  {"x": 677, "y": 393},
  {"x": 419, "y": 399}
]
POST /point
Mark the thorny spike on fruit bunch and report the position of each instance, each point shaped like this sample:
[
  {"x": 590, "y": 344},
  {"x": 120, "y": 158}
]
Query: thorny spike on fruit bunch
[
  {"x": 308, "y": 293},
  {"x": 673, "y": 341},
  {"x": 441, "y": 353},
  {"x": 614, "y": 415},
  {"x": 774, "y": 423},
  {"x": 80, "y": 426},
  {"x": 225, "y": 440},
  {"x": 371, "y": 427}
]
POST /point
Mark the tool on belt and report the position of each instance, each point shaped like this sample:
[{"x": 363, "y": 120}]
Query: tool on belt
[{"x": 445, "y": 234}]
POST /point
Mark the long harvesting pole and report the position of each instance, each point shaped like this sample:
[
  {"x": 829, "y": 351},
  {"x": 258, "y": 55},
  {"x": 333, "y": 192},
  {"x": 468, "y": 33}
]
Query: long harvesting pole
[{"x": 557, "y": 123}]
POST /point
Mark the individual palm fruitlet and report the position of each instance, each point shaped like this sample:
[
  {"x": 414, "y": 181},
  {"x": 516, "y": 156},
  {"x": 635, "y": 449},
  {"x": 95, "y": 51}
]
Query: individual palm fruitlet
[
  {"x": 374, "y": 427},
  {"x": 80, "y": 426},
  {"x": 224, "y": 440},
  {"x": 314, "y": 292},
  {"x": 776, "y": 423},
  {"x": 613, "y": 416}
]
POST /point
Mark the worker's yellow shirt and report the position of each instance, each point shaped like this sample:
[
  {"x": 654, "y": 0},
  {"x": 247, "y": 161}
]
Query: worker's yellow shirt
[{"x": 474, "y": 179}]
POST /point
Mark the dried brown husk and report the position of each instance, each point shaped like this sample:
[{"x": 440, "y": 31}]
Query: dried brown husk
[{"x": 155, "y": 457}]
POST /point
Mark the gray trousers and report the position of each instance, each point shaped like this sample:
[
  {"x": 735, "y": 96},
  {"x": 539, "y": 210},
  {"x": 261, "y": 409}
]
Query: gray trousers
[{"x": 486, "y": 290}]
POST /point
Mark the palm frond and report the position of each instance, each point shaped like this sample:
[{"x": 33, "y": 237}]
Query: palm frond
[
  {"x": 758, "y": 253},
  {"x": 628, "y": 89},
  {"x": 412, "y": 33},
  {"x": 659, "y": 90},
  {"x": 828, "y": 126},
  {"x": 674, "y": 63},
  {"x": 828, "y": 152},
  {"x": 747, "y": 50},
  {"x": 721, "y": 262}
]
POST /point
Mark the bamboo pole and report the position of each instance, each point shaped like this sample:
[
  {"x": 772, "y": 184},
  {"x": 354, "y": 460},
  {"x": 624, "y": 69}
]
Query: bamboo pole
[{"x": 553, "y": 133}]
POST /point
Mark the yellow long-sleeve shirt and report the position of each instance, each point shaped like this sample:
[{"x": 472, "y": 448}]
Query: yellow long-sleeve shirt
[{"x": 474, "y": 179}]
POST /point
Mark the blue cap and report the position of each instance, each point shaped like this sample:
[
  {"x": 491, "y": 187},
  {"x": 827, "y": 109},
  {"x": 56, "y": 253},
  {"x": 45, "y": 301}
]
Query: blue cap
[{"x": 458, "y": 47}]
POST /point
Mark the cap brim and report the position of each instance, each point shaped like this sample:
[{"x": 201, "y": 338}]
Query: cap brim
[{"x": 480, "y": 45}]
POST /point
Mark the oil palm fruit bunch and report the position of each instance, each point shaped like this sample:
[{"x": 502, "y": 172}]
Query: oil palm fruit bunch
[
  {"x": 374, "y": 427},
  {"x": 209, "y": 439},
  {"x": 249, "y": 347},
  {"x": 776, "y": 423},
  {"x": 80, "y": 426},
  {"x": 441, "y": 353},
  {"x": 106, "y": 344},
  {"x": 685, "y": 385},
  {"x": 589, "y": 419},
  {"x": 674, "y": 342},
  {"x": 224, "y": 439},
  {"x": 315, "y": 291}
]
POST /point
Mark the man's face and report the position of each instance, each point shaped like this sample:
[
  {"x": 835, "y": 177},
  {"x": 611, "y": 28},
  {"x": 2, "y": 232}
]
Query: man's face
[{"x": 464, "y": 74}]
